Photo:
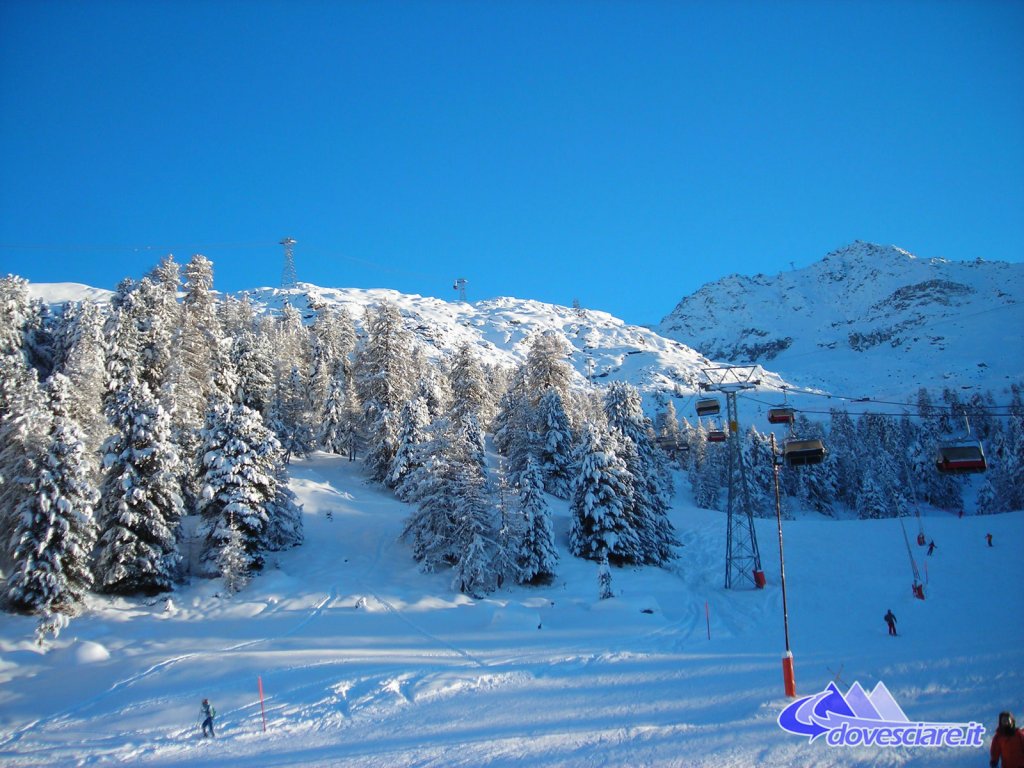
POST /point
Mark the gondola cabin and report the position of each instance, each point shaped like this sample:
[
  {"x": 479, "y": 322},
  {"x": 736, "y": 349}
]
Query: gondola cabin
[
  {"x": 717, "y": 436},
  {"x": 798, "y": 453},
  {"x": 708, "y": 407},
  {"x": 960, "y": 458},
  {"x": 781, "y": 415}
]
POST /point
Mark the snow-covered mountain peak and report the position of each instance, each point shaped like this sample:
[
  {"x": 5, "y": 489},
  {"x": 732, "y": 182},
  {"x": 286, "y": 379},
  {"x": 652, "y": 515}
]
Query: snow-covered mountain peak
[{"x": 866, "y": 316}]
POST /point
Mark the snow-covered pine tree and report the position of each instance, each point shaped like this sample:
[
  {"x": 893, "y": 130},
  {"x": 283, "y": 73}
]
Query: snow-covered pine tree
[
  {"x": 651, "y": 482},
  {"x": 54, "y": 530},
  {"x": 24, "y": 425},
  {"x": 232, "y": 559},
  {"x": 602, "y": 497},
  {"x": 240, "y": 465},
  {"x": 475, "y": 525},
  {"x": 84, "y": 365},
  {"x": 873, "y": 501},
  {"x": 15, "y": 316},
  {"x": 454, "y": 524},
  {"x": 291, "y": 415},
  {"x": 284, "y": 513},
  {"x": 413, "y": 432},
  {"x": 253, "y": 356},
  {"x": 140, "y": 502},
  {"x": 332, "y": 435},
  {"x": 469, "y": 390},
  {"x": 709, "y": 469},
  {"x": 384, "y": 384},
  {"x": 555, "y": 444},
  {"x": 546, "y": 366},
  {"x": 514, "y": 424},
  {"x": 760, "y": 464},
  {"x": 535, "y": 555},
  {"x": 843, "y": 453}
]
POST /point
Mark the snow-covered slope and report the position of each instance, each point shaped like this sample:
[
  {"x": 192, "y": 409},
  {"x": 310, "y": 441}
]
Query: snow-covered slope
[
  {"x": 601, "y": 347},
  {"x": 866, "y": 319},
  {"x": 367, "y": 663}
]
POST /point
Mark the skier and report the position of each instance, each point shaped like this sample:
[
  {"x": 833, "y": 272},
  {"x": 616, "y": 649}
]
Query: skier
[
  {"x": 931, "y": 547},
  {"x": 989, "y": 537},
  {"x": 208, "y": 713},
  {"x": 1007, "y": 743},
  {"x": 890, "y": 619}
]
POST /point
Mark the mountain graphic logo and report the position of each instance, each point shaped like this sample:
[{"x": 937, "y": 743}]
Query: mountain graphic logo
[{"x": 859, "y": 718}]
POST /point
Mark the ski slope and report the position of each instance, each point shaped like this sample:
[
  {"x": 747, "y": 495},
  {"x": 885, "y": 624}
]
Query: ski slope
[{"x": 365, "y": 661}]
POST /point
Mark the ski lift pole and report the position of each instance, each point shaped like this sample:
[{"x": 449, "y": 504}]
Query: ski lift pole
[{"x": 788, "y": 676}]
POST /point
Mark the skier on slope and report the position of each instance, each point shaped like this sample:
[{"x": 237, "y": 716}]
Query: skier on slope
[
  {"x": 1007, "y": 743},
  {"x": 207, "y": 712},
  {"x": 931, "y": 547},
  {"x": 890, "y": 619}
]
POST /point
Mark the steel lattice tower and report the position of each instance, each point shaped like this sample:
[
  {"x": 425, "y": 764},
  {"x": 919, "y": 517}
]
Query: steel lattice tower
[
  {"x": 742, "y": 557},
  {"x": 289, "y": 278}
]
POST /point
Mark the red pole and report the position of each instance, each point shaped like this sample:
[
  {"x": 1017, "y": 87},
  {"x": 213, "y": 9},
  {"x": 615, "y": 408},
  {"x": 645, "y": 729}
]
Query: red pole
[
  {"x": 707, "y": 615},
  {"x": 788, "y": 678},
  {"x": 263, "y": 711}
]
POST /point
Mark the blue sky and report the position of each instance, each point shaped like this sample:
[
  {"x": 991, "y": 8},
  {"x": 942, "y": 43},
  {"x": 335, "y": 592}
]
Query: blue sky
[{"x": 621, "y": 153}]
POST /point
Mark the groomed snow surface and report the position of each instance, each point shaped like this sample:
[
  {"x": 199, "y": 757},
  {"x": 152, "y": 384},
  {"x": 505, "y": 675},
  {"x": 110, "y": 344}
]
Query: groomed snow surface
[{"x": 365, "y": 661}]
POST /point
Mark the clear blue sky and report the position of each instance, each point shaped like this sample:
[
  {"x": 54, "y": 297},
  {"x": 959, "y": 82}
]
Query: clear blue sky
[{"x": 623, "y": 153}]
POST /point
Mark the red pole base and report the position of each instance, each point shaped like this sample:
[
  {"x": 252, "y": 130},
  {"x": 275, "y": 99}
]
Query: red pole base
[{"x": 787, "y": 675}]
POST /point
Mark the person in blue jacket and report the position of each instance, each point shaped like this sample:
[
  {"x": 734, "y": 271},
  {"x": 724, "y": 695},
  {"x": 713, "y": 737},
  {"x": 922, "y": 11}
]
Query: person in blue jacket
[{"x": 207, "y": 712}]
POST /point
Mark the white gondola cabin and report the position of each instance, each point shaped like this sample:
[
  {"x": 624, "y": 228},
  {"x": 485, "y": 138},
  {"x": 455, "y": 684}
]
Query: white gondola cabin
[
  {"x": 960, "y": 458},
  {"x": 798, "y": 453},
  {"x": 708, "y": 407},
  {"x": 781, "y": 415}
]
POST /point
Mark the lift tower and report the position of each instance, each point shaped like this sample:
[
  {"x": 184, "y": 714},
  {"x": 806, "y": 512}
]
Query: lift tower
[
  {"x": 289, "y": 279},
  {"x": 742, "y": 558}
]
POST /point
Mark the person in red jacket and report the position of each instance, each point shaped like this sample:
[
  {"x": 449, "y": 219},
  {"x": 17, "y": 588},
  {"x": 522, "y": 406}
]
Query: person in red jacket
[{"x": 1007, "y": 743}]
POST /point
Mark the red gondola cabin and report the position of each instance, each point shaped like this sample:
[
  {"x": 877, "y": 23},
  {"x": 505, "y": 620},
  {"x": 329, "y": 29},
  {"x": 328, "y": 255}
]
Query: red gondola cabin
[
  {"x": 781, "y": 415},
  {"x": 960, "y": 458}
]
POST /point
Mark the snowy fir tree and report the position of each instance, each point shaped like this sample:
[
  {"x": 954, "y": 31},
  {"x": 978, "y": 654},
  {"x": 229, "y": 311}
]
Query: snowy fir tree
[
  {"x": 240, "y": 468},
  {"x": 253, "y": 356},
  {"x": 413, "y": 433},
  {"x": 454, "y": 524},
  {"x": 54, "y": 530},
  {"x": 233, "y": 561},
  {"x": 339, "y": 421},
  {"x": 140, "y": 499},
  {"x": 85, "y": 366},
  {"x": 469, "y": 389},
  {"x": 649, "y": 478},
  {"x": 384, "y": 384},
  {"x": 514, "y": 423},
  {"x": 533, "y": 550},
  {"x": 284, "y": 515},
  {"x": 24, "y": 425},
  {"x": 291, "y": 415},
  {"x": 546, "y": 367},
  {"x": 602, "y": 497},
  {"x": 555, "y": 444}
]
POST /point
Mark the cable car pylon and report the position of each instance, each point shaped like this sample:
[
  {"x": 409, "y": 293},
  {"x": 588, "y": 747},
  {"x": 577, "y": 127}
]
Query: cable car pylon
[{"x": 742, "y": 557}]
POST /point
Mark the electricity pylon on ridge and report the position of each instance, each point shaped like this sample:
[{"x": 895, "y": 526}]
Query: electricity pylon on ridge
[
  {"x": 742, "y": 557},
  {"x": 460, "y": 286},
  {"x": 289, "y": 278}
]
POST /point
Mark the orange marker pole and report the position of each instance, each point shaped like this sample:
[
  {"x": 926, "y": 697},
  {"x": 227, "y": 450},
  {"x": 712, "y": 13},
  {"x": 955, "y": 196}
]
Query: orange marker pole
[{"x": 259, "y": 681}]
